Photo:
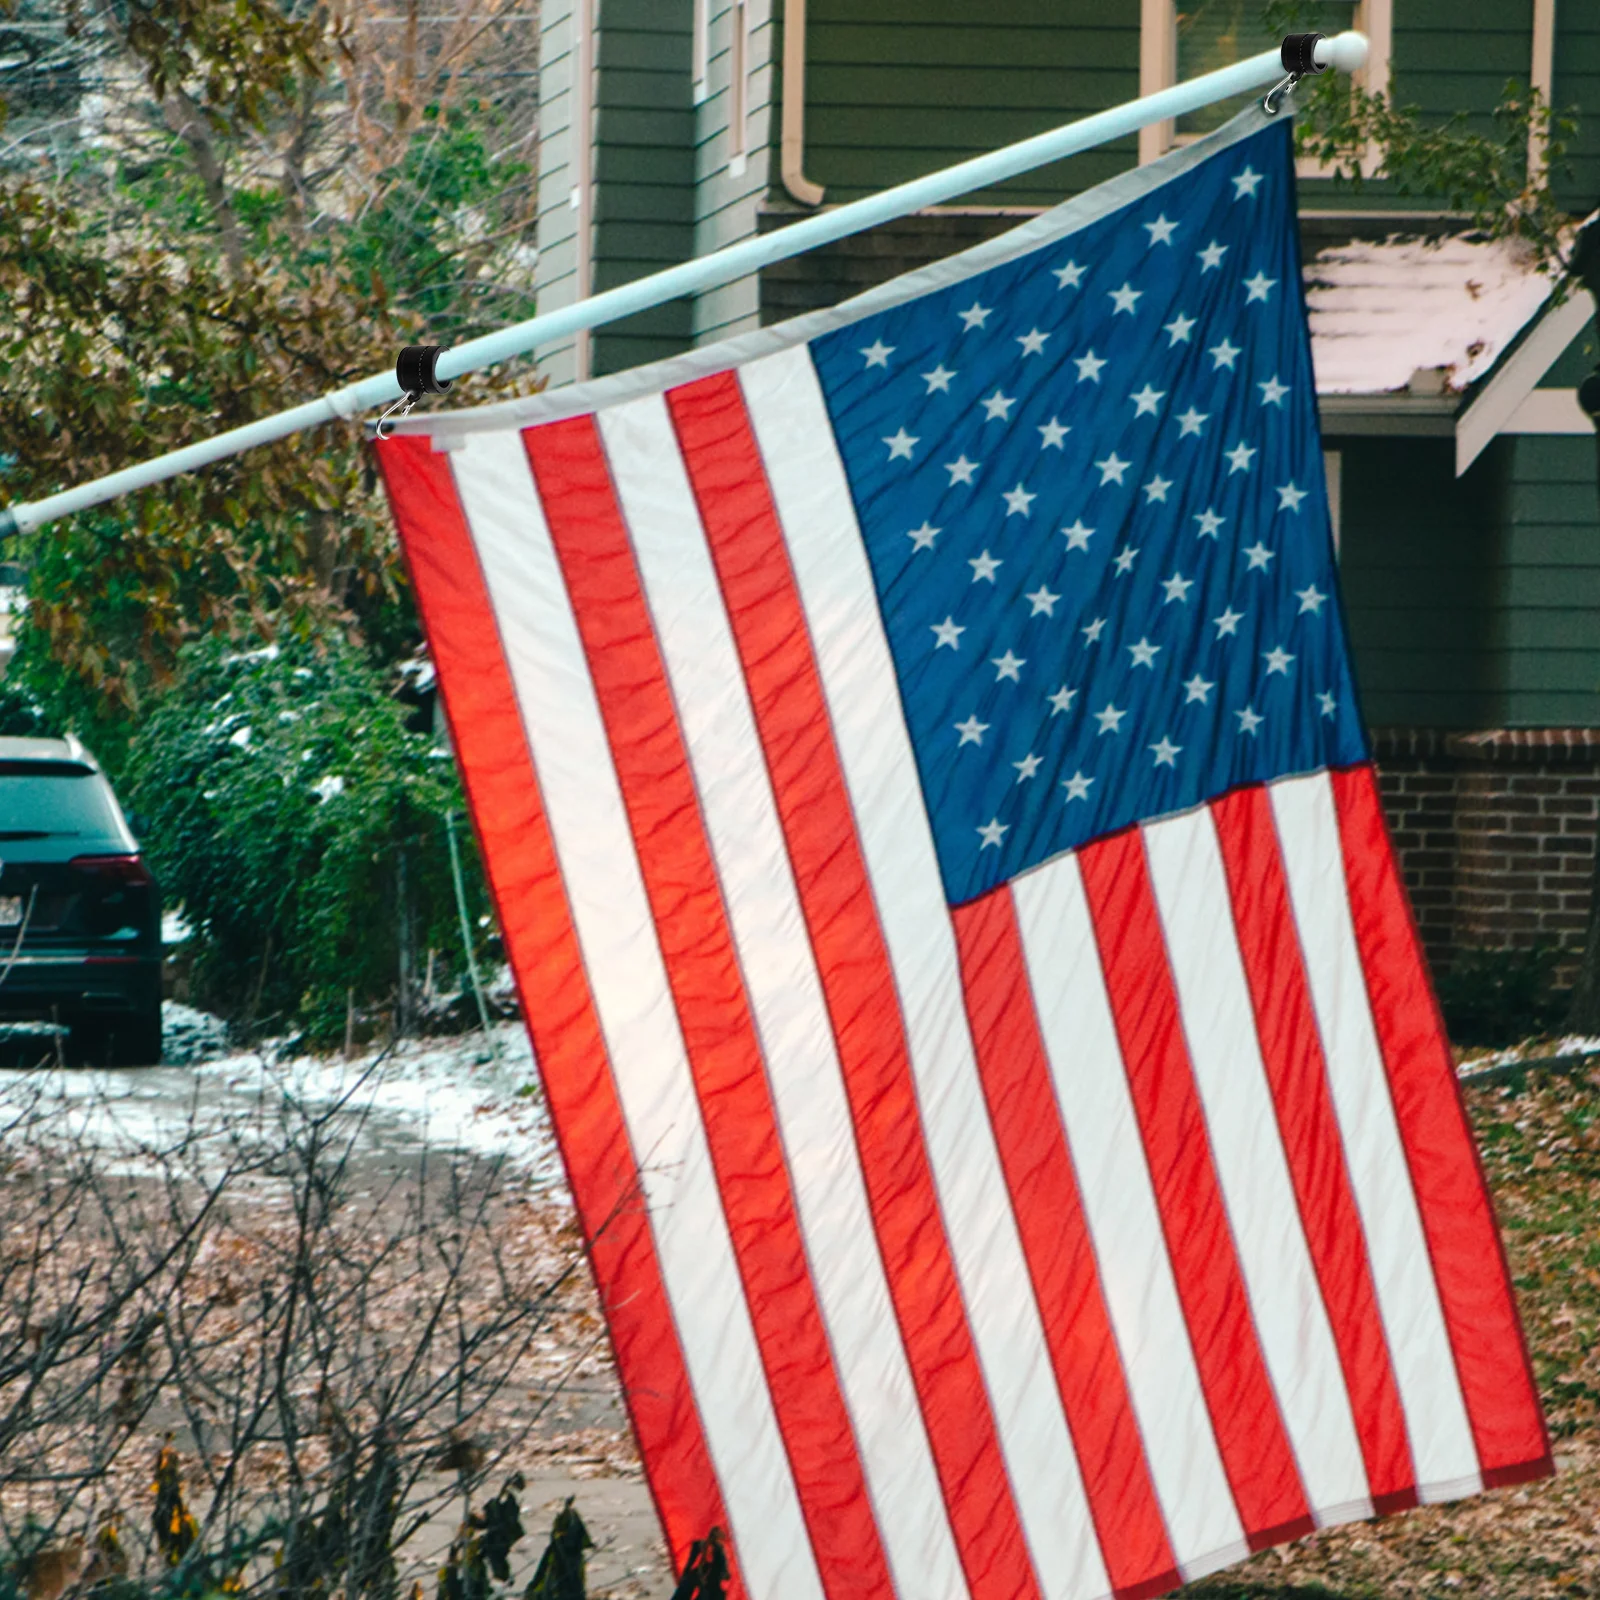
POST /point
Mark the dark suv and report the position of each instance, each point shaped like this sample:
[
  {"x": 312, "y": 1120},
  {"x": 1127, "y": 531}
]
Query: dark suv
[{"x": 80, "y": 914}]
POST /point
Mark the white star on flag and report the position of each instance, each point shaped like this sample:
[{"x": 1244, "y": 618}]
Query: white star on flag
[
  {"x": 1052, "y": 433},
  {"x": 1272, "y": 392},
  {"x": 1224, "y": 354},
  {"x": 1166, "y": 752},
  {"x": 877, "y": 353},
  {"x": 948, "y": 633},
  {"x": 1041, "y": 601},
  {"x": 1092, "y": 630},
  {"x": 1146, "y": 400},
  {"x": 974, "y": 316},
  {"x": 1289, "y": 497},
  {"x": 1178, "y": 330},
  {"x": 1210, "y": 524},
  {"x": 1089, "y": 367},
  {"x": 1112, "y": 468},
  {"x": 1018, "y": 501},
  {"x": 1125, "y": 297},
  {"x": 1177, "y": 588},
  {"x": 1008, "y": 666},
  {"x": 1277, "y": 659},
  {"x": 1258, "y": 287},
  {"x": 1211, "y": 256},
  {"x": 972, "y": 731},
  {"x": 1061, "y": 700},
  {"x": 1068, "y": 276},
  {"x": 1161, "y": 230},
  {"x": 984, "y": 567},
  {"x": 1032, "y": 342},
  {"x": 1258, "y": 557},
  {"x": 997, "y": 408},
  {"x": 1311, "y": 599},
  {"x": 1078, "y": 536},
  {"x": 900, "y": 445},
  {"x": 1190, "y": 422},
  {"x": 1246, "y": 182},
  {"x": 1077, "y": 786},
  {"x": 1125, "y": 558},
  {"x": 992, "y": 832},
  {"x": 961, "y": 470},
  {"x": 1110, "y": 719},
  {"x": 1144, "y": 653},
  {"x": 1027, "y": 766},
  {"x": 1197, "y": 688},
  {"x": 1249, "y": 720},
  {"x": 938, "y": 380},
  {"x": 1239, "y": 457},
  {"x": 1228, "y": 622},
  {"x": 922, "y": 538},
  {"x": 1156, "y": 489}
]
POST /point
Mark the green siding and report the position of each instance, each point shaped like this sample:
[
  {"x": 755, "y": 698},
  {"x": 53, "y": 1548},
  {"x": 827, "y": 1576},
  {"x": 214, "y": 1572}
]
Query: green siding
[
  {"x": 1474, "y": 602},
  {"x": 1577, "y": 83},
  {"x": 897, "y": 88},
  {"x": 644, "y": 169}
]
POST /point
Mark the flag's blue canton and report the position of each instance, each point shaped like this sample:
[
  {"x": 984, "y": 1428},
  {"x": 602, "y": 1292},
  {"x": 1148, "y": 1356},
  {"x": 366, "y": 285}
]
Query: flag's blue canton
[{"x": 1091, "y": 489}]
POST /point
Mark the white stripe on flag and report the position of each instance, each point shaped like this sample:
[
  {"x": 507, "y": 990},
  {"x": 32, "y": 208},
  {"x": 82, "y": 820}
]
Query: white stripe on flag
[
  {"x": 1080, "y": 1038},
  {"x": 814, "y": 505},
  {"x": 1191, "y": 890},
  {"x": 617, "y": 935},
  {"x": 1419, "y": 1346},
  {"x": 763, "y": 906}
]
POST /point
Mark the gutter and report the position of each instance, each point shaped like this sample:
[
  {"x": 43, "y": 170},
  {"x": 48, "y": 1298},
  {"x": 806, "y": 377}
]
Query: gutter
[{"x": 793, "y": 156}]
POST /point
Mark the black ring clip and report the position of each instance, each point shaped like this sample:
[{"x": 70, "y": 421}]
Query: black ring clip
[
  {"x": 415, "y": 370},
  {"x": 1299, "y": 57}
]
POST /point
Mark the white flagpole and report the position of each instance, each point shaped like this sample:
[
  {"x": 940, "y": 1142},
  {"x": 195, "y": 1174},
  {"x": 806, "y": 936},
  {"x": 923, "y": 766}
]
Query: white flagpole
[{"x": 1346, "y": 52}]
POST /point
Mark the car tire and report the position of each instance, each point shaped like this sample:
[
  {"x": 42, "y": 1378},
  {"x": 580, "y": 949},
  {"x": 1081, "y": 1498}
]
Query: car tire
[{"x": 132, "y": 1039}]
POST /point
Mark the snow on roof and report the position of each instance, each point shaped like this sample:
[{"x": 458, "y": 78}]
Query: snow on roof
[{"x": 1439, "y": 309}]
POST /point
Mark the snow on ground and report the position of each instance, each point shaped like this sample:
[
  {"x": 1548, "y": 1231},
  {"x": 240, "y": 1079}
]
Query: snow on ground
[{"x": 471, "y": 1094}]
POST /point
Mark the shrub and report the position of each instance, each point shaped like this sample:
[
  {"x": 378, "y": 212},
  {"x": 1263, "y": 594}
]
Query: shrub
[
  {"x": 1500, "y": 997},
  {"x": 301, "y": 825}
]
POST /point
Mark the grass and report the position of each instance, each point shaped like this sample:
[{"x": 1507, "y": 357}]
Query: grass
[{"x": 1540, "y": 1138}]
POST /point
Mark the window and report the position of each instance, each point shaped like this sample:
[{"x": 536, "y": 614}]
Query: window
[{"x": 1180, "y": 39}]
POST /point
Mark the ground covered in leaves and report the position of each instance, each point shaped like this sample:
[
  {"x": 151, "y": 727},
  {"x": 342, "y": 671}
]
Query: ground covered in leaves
[{"x": 1540, "y": 1138}]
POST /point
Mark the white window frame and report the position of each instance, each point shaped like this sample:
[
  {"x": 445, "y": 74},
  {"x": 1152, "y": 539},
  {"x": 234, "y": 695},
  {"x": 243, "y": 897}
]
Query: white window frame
[
  {"x": 1158, "y": 67},
  {"x": 738, "y": 85},
  {"x": 700, "y": 48}
]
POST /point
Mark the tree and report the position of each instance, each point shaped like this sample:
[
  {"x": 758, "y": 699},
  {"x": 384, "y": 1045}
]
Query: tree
[{"x": 284, "y": 193}]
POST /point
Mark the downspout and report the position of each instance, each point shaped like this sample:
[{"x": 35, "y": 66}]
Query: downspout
[{"x": 795, "y": 181}]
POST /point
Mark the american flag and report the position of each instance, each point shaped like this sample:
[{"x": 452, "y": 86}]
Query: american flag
[{"x": 918, "y": 767}]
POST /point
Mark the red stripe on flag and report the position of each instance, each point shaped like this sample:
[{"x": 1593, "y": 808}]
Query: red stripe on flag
[
  {"x": 531, "y": 902},
  {"x": 719, "y": 1032},
  {"x": 1061, "y": 1258},
  {"x": 814, "y": 805},
  {"x": 1291, "y": 1050},
  {"x": 1468, "y": 1260},
  {"x": 1216, "y": 1305}
]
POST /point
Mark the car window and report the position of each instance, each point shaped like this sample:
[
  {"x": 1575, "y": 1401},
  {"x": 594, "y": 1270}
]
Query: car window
[{"x": 39, "y": 800}]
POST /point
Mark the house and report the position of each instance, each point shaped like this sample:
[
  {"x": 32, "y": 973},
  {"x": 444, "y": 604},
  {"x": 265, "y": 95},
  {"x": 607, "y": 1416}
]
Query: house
[{"x": 1461, "y": 470}]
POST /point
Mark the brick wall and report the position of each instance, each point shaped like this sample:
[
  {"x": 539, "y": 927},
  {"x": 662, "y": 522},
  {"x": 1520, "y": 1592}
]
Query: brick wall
[{"x": 1495, "y": 832}]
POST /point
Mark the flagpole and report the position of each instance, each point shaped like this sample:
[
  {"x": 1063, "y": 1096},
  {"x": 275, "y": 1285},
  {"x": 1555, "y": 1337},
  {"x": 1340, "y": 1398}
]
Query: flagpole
[{"x": 1300, "y": 54}]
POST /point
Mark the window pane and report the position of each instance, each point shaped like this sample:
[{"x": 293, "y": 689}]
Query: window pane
[{"x": 1217, "y": 33}]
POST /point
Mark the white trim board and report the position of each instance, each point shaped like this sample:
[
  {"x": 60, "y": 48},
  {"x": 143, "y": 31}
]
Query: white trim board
[{"x": 1503, "y": 396}]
